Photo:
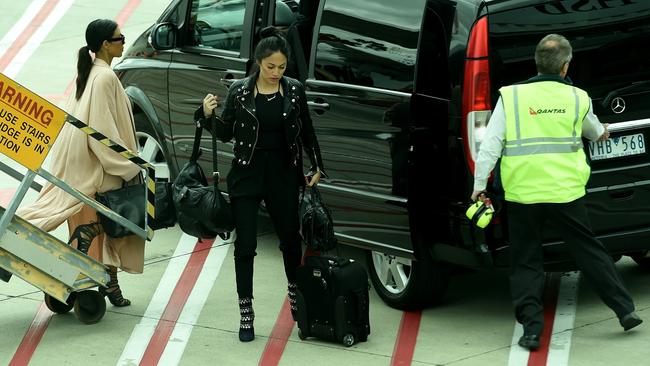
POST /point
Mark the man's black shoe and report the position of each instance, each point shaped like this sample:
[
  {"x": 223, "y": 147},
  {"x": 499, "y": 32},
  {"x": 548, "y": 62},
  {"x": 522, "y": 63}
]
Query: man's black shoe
[
  {"x": 530, "y": 341},
  {"x": 630, "y": 321}
]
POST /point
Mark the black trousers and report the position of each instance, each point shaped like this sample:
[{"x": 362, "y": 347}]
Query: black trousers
[
  {"x": 269, "y": 177},
  {"x": 526, "y": 263}
]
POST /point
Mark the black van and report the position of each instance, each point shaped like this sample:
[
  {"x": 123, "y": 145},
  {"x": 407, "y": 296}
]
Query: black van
[{"x": 401, "y": 93}]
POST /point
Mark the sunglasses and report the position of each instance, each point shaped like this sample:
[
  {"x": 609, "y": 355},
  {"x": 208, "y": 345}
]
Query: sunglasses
[{"x": 120, "y": 38}]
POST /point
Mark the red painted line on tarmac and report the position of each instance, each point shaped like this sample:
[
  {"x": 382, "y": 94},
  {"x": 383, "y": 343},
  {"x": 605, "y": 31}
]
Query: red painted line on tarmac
[
  {"x": 176, "y": 303},
  {"x": 551, "y": 289},
  {"x": 127, "y": 11},
  {"x": 72, "y": 86},
  {"x": 20, "y": 42},
  {"x": 406, "y": 338},
  {"x": 6, "y": 195},
  {"x": 121, "y": 19},
  {"x": 278, "y": 338},
  {"x": 33, "y": 337},
  {"x": 36, "y": 330}
]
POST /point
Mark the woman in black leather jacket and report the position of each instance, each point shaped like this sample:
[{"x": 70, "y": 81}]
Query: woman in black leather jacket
[{"x": 266, "y": 114}]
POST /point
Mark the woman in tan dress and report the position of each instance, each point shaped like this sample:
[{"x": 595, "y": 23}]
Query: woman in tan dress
[{"x": 88, "y": 165}]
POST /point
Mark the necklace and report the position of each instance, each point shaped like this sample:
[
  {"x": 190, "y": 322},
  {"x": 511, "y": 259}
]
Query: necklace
[{"x": 266, "y": 95}]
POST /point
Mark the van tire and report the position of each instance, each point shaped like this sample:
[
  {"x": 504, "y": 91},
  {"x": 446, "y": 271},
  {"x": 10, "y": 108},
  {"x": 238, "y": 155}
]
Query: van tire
[
  {"x": 424, "y": 281},
  {"x": 145, "y": 134}
]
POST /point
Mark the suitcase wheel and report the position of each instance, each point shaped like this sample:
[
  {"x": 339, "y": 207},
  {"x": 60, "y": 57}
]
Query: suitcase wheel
[{"x": 348, "y": 340}]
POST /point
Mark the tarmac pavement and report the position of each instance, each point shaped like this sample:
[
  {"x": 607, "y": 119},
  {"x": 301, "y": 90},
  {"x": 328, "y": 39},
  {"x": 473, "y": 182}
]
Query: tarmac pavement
[{"x": 184, "y": 307}]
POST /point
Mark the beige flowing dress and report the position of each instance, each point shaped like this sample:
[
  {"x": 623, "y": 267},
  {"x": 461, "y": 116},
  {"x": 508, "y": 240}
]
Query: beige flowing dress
[{"x": 91, "y": 167}]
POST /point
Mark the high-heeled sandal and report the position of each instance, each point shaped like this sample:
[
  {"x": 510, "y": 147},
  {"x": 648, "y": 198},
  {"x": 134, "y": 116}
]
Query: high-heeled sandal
[
  {"x": 112, "y": 290},
  {"x": 84, "y": 234}
]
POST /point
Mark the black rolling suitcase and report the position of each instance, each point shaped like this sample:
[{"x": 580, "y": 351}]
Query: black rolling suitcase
[{"x": 332, "y": 300}]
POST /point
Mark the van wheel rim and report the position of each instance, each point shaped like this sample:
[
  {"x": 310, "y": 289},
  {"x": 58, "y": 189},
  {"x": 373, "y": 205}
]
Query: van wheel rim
[
  {"x": 150, "y": 150},
  {"x": 393, "y": 272}
]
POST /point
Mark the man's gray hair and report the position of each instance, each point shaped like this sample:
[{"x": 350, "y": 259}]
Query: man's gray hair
[{"x": 551, "y": 53}]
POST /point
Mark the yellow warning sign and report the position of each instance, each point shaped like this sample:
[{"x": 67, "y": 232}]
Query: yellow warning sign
[{"x": 29, "y": 124}]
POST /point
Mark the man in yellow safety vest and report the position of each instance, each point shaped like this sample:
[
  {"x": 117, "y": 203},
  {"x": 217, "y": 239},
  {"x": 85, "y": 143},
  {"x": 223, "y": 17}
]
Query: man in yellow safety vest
[{"x": 536, "y": 130}]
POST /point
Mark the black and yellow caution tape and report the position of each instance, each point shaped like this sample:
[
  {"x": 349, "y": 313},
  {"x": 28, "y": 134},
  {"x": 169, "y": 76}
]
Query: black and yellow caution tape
[{"x": 128, "y": 154}]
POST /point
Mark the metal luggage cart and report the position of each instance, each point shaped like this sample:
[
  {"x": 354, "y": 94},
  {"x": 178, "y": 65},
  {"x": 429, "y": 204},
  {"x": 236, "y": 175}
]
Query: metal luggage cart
[{"x": 64, "y": 274}]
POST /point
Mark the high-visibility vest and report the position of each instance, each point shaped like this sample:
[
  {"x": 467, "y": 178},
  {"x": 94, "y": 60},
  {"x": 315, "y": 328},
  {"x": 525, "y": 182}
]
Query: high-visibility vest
[{"x": 543, "y": 160}]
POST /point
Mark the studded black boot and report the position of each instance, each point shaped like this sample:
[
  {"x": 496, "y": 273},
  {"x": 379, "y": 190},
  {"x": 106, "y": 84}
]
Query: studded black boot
[
  {"x": 246, "y": 330},
  {"x": 293, "y": 303}
]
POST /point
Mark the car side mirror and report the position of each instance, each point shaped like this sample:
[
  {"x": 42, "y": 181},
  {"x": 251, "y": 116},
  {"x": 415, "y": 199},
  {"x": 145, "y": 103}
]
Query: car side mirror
[{"x": 163, "y": 36}]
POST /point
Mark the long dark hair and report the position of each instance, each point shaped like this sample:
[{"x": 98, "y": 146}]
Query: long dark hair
[
  {"x": 97, "y": 32},
  {"x": 271, "y": 42}
]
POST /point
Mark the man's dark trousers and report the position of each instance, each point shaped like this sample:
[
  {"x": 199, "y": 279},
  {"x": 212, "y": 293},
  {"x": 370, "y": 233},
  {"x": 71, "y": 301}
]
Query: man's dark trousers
[{"x": 526, "y": 222}]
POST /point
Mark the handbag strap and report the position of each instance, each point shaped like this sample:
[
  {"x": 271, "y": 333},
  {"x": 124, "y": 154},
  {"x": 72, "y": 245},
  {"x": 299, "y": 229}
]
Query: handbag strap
[
  {"x": 196, "y": 149},
  {"x": 216, "y": 177},
  {"x": 196, "y": 146}
]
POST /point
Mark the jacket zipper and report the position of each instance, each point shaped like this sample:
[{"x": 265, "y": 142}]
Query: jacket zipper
[{"x": 256, "y": 129}]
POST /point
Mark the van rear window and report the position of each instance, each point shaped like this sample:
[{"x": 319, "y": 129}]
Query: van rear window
[{"x": 609, "y": 43}]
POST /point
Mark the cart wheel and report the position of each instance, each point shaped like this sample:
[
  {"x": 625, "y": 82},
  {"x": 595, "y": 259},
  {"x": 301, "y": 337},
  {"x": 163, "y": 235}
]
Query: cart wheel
[
  {"x": 301, "y": 334},
  {"x": 59, "y": 307},
  {"x": 89, "y": 307},
  {"x": 348, "y": 340}
]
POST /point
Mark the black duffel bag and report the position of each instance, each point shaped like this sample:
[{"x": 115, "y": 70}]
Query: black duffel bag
[{"x": 201, "y": 209}]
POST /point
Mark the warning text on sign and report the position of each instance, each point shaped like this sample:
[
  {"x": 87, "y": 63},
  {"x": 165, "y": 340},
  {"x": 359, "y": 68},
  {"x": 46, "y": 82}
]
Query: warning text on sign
[{"x": 29, "y": 124}]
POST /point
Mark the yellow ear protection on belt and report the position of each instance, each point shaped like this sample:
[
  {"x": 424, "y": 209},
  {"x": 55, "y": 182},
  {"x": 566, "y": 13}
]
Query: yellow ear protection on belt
[{"x": 480, "y": 212}]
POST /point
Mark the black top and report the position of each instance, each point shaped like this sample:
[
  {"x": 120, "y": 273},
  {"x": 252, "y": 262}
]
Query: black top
[{"x": 269, "y": 114}]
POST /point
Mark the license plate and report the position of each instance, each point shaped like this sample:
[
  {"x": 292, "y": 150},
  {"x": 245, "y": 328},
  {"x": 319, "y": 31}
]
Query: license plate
[{"x": 615, "y": 147}]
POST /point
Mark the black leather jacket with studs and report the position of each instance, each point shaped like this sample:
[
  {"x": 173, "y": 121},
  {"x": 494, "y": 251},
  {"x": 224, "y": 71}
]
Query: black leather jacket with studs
[{"x": 239, "y": 121}]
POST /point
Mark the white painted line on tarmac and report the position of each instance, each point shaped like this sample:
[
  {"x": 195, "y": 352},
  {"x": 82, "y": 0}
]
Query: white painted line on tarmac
[
  {"x": 565, "y": 314},
  {"x": 21, "y": 25},
  {"x": 143, "y": 332},
  {"x": 556, "y": 352},
  {"x": 142, "y": 335},
  {"x": 35, "y": 41},
  {"x": 183, "y": 329},
  {"x": 518, "y": 355}
]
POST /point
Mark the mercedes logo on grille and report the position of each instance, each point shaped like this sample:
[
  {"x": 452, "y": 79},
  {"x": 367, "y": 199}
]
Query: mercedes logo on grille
[{"x": 618, "y": 105}]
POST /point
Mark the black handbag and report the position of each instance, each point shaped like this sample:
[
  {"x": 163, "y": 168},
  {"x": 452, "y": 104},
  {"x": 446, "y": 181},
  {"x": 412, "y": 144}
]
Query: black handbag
[
  {"x": 165, "y": 211},
  {"x": 317, "y": 227},
  {"x": 202, "y": 210},
  {"x": 129, "y": 202}
]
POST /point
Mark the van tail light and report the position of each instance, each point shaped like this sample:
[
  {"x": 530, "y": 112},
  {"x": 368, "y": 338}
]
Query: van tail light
[{"x": 477, "y": 106}]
